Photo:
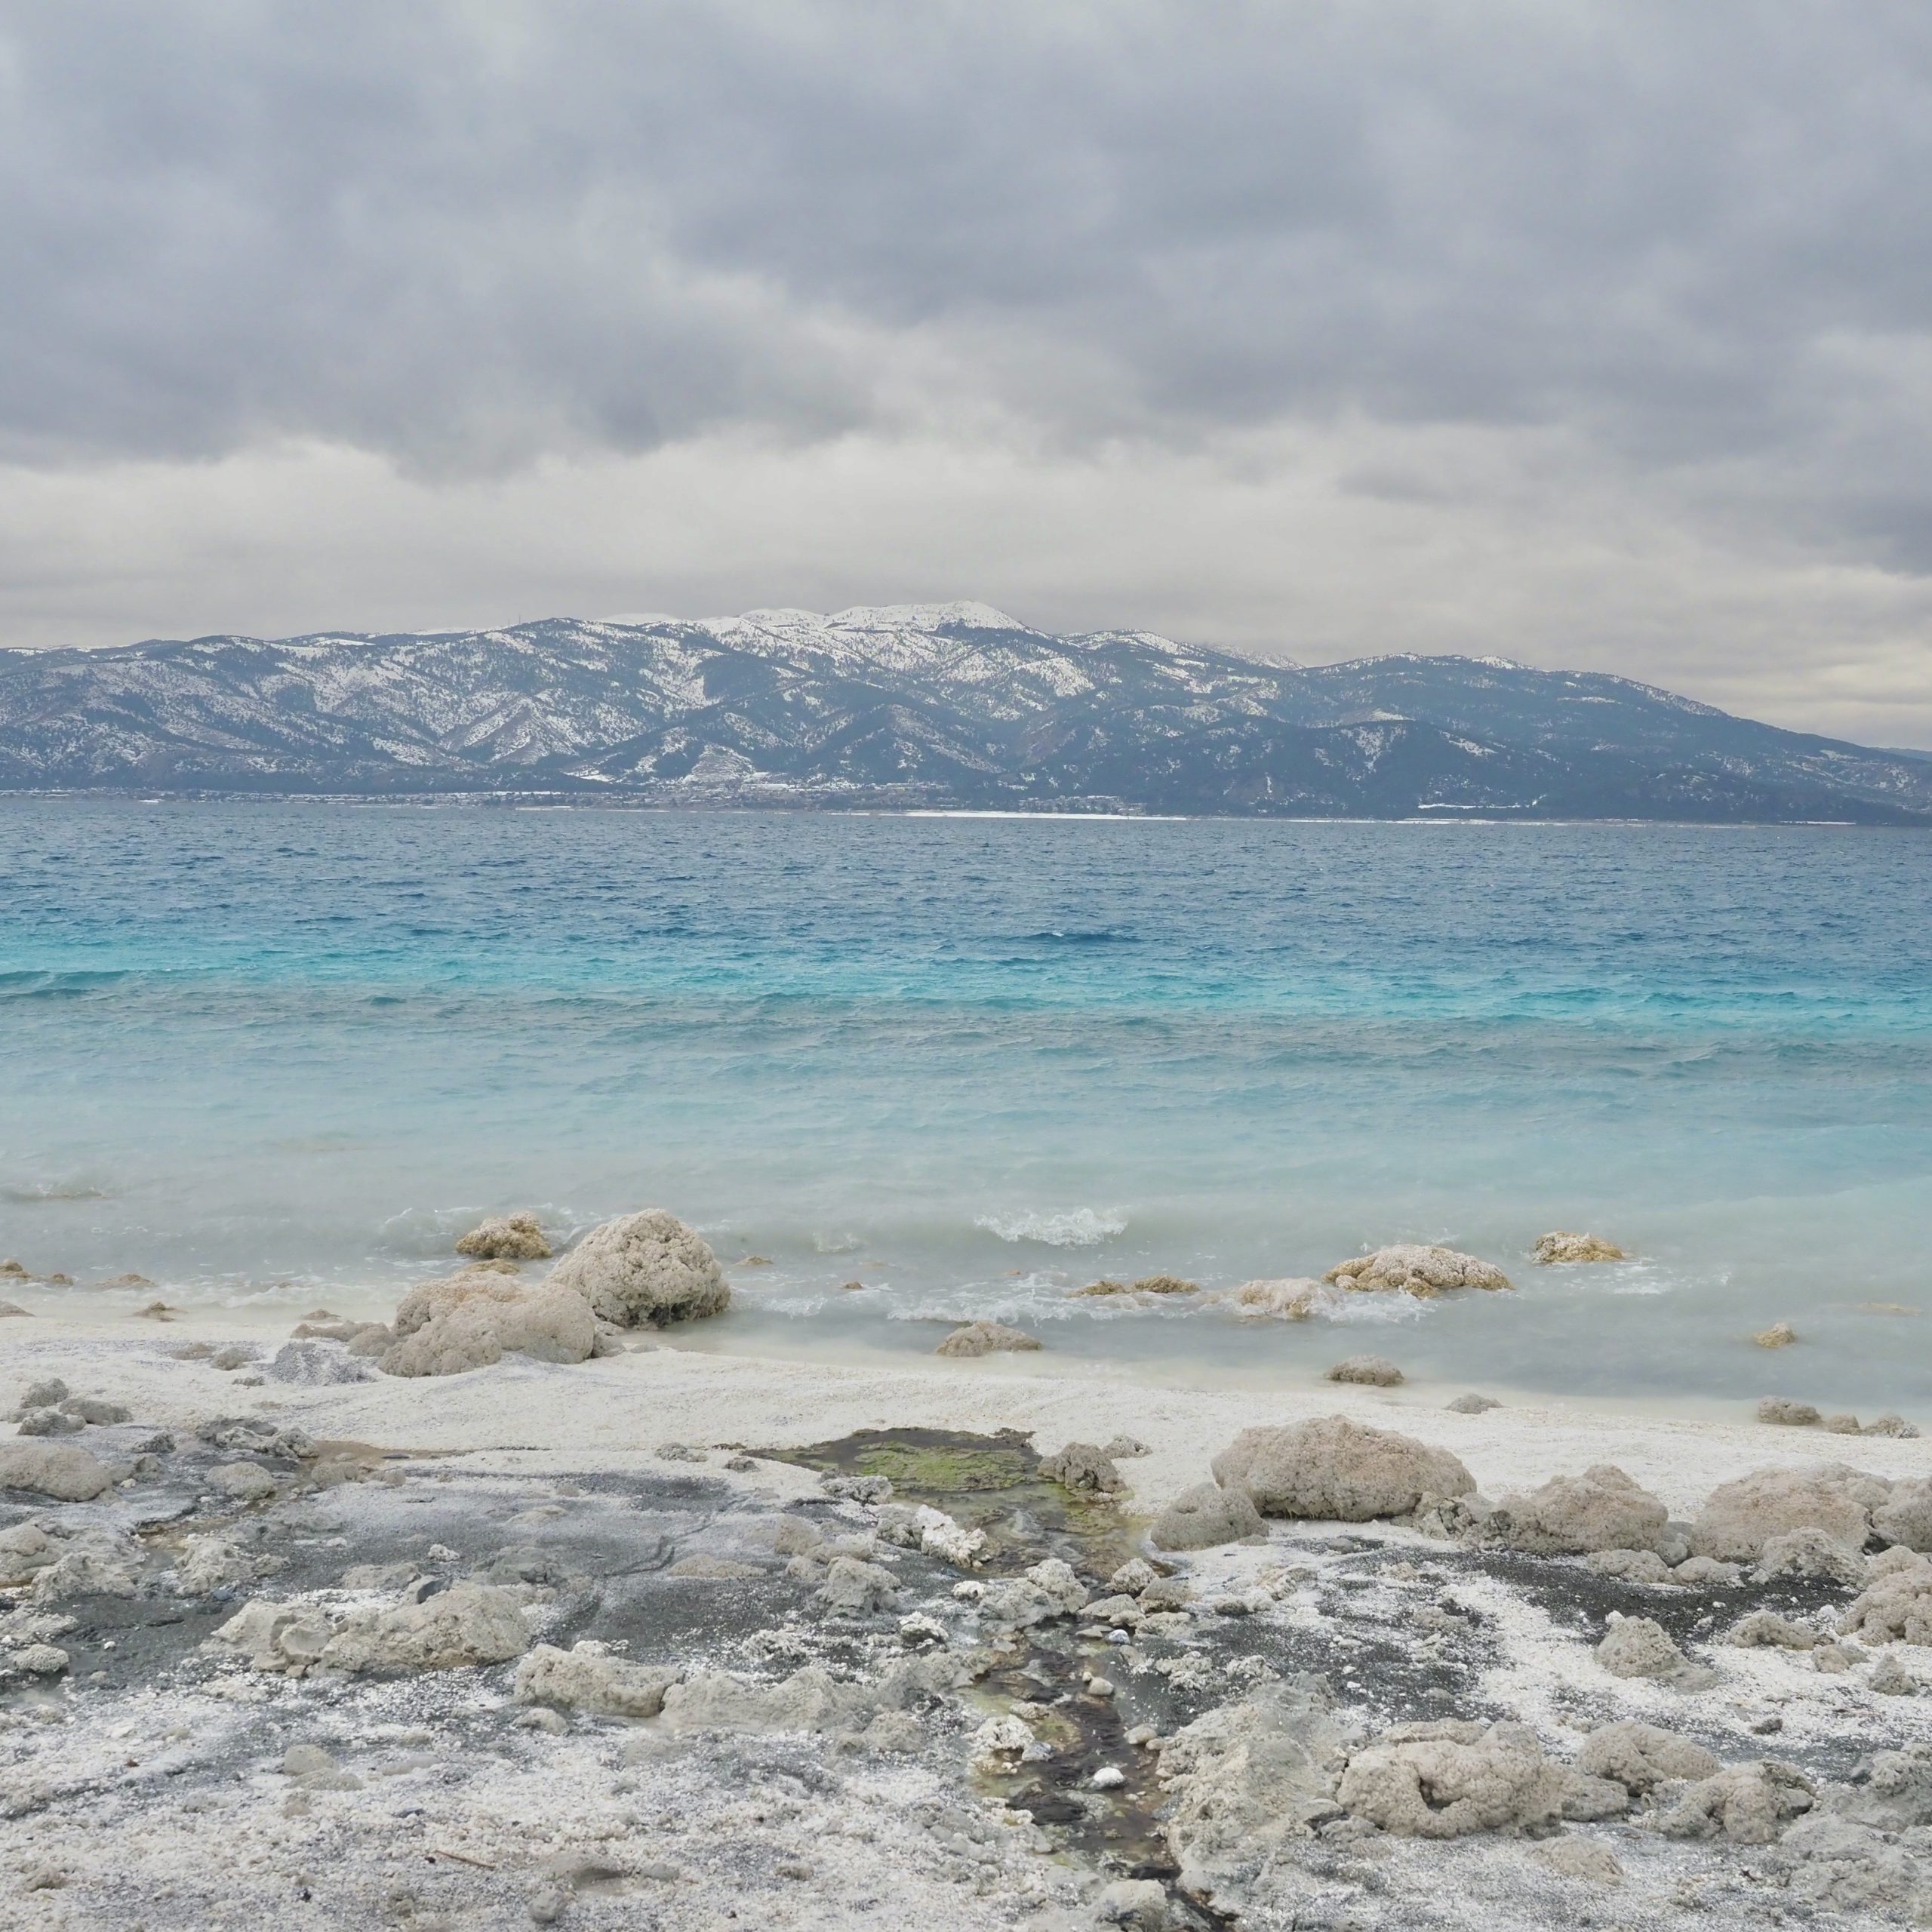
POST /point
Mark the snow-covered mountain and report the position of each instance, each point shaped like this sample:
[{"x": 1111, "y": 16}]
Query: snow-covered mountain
[{"x": 948, "y": 704}]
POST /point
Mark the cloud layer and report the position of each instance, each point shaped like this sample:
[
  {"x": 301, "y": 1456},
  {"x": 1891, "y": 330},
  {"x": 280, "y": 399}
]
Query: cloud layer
[{"x": 1585, "y": 332}]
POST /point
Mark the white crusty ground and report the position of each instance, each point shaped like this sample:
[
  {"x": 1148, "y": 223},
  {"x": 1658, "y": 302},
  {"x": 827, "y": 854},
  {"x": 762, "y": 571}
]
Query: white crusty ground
[
  {"x": 666, "y": 1391},
  {"x": 898, "y": 1847}
]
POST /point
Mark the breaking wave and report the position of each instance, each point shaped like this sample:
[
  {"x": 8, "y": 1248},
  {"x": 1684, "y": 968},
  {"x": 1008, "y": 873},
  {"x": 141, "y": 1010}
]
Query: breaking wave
[{"x": 1079, "y": 1227}]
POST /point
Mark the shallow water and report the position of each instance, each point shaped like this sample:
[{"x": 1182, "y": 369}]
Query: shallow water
[{"x": 283, "y": 1053}]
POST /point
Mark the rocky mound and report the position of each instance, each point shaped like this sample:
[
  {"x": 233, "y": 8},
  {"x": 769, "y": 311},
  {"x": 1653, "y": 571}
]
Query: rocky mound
[
  {"x": 1561, "y": 1247},
  {"x": 1334, "y": 1469},
  {"x": 506, "y": 1238},
  {"x": 647, "y": 1268},
  {"x": 1409, "y": 1268}
]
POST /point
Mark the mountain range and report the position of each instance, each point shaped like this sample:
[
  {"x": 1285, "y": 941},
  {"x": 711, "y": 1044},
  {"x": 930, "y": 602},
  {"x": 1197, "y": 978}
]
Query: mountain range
[{"x": 949, "y": 706}]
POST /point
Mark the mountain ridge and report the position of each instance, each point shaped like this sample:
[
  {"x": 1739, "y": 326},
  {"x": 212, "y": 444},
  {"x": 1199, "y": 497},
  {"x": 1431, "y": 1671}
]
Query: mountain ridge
[{"x": 941, "y": 705}]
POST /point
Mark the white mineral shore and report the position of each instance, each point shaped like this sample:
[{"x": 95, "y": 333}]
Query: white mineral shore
[
  {"x": 609, "y": 1410},
  {"x": 551, "y": 1642}
]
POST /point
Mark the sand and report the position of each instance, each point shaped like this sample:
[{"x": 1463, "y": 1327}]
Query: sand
[{"x": 597, "y": 1413}]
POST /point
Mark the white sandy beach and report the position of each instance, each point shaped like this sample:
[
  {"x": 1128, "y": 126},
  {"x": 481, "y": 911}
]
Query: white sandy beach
[{"x": 598, "y": 1413}]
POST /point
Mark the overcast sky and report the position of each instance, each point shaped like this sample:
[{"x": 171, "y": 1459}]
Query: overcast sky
[{"x": 1595, "y": 335}]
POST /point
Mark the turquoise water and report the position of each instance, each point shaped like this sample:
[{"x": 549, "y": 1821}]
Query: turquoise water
[{"x": 281, "y": 1053}]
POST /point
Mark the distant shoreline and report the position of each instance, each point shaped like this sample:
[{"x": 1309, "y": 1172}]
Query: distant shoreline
[{"x": 864, "y": 808}]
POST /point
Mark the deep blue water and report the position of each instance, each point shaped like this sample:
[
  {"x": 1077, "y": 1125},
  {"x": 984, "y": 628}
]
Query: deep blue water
[{"x": 284, "y": 1052}]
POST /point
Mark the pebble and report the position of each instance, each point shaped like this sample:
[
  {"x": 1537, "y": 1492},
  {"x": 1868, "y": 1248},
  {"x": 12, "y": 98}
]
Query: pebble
[{"x": 1109, "y": 1777}]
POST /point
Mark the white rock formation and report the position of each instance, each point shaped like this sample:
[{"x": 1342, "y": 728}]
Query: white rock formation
[
  {"x": 645, "y": 1268},
  {"x": 506, "y": 1238},
  {"x": 57, "y": 1469},
  {"x": 1445, "y": 1780},
  {"x": 1747, "y": 1804},
  {"x": 1287, "y": 1298},
  {"x": 1331, "y": 1467},
  {"x": 472, "y": 1319},
  {"x": 1410, "y": 1268},
  {"x": 1563, "y": 1248},
  {"x": 1638, "y": 1646},
  {"x": 1373, "y": 1371},
  {"x": 1603, "y": 1508},
  {"x": 986, "y": 1338},
  {"x": 587, "y": 1677},
  {"x": 1204, "y": 1517},
  {"x": 1896, "y": 1606},
  {"x": 1083, "y": 1467},
  {"x": 1640, "y": 1756},
  {"x": 465, "y": 1625},
  {"x": 1739, "y": 1518}
]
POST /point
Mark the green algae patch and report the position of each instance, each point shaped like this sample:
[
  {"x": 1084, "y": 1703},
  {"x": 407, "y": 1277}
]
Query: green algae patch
[
  {"x": 935, "y": 1470},
  {"x": 991, "y": 1483}
]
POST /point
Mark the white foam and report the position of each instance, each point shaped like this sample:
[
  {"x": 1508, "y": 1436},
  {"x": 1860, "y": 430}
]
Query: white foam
[{"x": 1078, "y": 1227}]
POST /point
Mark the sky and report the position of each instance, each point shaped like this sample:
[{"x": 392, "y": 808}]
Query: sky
[{"x": 1594, "y": 335}]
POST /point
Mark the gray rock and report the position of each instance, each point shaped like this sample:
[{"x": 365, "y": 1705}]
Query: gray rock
[
  {"x": 1331, "y": 1469},
  {"x": 1891, "y": 1424},
  {"x": 587, "y": 1677},
  {"x": 88, "y": 1572},
  {"x": 1374, "y": 1371},
  {"x": 1891, "y": 1679},
  {"x": 1473, "y": 1405},
  {"x": 472, "y": 1319},
  {"x": 1204, "y": 1517},
  {"x": 50, "y": 1422},
  {"x": 1738, "y": 1518},
  {"x": 93, "y": 1410},
  {"x": 854, "y": 1587},
  {"x": 1085, "y": 1467},
  {"x": 1630, "y": 1566},
  {"x": 1139, "y": 1904},
  {"x": 1603, "y": 1508},
  {"x": 1448, "y": 1780},
  {"x": 1896, "y": 1605},
  {"x": 246, "y": 1482},
  {"x": 1249, "y": 1782},
  {"x": 1905, "y": 1515},
  {"x": 1640, "y": 1756},
  {"x": 857, "y": 1489},
  {"x": 316, "y": 1364},
  {"x": 1809, "y": 1553},
  {"x": 1638, "y": 1646},
  {"x": 1582, "y": 1859},
  {"x": 1747, "y": 1804},
  {"x": 44, "y": 1394},
  {"x": 1765, "y": 1629},
  {"x": 58, "y": 1470},
  {"x": 986, "y": 1338},
  {"x": 1786, "y": 1414},
  {"x": 1697, "y": 1573}
]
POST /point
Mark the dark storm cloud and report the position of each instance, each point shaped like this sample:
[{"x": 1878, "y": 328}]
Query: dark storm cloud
[{"x": 463, "y": 236}]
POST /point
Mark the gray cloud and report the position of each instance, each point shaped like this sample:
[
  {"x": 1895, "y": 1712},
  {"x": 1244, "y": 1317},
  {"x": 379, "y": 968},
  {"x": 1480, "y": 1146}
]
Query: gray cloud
[
  {"x": 1691, "y": 244},
  {"x": 463, "y": 233}
]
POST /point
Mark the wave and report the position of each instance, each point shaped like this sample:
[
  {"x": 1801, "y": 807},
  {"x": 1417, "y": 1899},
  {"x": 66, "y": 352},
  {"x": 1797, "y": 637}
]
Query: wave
[
  {"x": 1078, "y": 1227},
  {"x": 29, "y": 983}
]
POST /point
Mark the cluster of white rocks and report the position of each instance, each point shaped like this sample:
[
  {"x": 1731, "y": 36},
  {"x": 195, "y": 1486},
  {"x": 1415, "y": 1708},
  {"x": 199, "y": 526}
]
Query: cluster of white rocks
[{"x": 640, "y": 1270}]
